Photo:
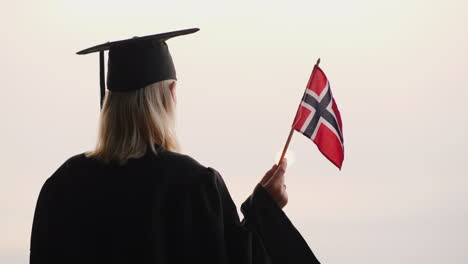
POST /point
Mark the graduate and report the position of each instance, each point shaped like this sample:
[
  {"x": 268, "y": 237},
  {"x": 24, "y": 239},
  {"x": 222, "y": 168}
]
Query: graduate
[{"x": 135, "y": 199}]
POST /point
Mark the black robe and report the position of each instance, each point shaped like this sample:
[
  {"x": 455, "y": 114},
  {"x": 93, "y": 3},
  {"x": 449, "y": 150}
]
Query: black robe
[{"x": 161, "y": 208}]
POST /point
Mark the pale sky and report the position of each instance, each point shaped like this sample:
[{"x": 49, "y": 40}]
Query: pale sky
[{"x": 398, "y": 71}]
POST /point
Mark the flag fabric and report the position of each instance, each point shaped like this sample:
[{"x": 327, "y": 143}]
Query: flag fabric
[{"x": 318, "y": 118}]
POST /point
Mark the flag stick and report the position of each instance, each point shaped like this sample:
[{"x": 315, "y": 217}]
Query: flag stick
[
  {"x": 287, "y": 144},
  {"x": 292, "y": 129}
]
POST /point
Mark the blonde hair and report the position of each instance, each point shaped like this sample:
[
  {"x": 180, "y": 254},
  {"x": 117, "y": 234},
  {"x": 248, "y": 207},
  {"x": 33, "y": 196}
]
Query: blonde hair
[{"x": 132, "y": 121}]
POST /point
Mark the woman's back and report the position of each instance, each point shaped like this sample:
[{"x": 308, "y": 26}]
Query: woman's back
[
  {"x": 91, "y": 211},
  {"x": 161, "y": 208}
]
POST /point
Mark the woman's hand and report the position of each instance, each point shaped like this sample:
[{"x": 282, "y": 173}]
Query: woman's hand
[{"x": 273, "y": 182}]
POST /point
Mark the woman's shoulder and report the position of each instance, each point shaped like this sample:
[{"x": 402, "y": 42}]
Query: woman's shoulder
[
  {"x": 182, "y": 161},
  {"x": 184, "y": 164},
  {"x": 62, "y": 173},
  {"x": 77, "y": 161}
]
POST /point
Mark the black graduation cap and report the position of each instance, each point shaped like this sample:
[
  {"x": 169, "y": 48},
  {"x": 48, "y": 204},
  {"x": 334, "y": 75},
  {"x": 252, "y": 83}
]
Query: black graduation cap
[{"x": 136, "y": 62}]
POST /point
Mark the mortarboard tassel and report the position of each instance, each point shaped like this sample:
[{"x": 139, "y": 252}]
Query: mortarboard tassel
[{"x": 101, "y": 75}]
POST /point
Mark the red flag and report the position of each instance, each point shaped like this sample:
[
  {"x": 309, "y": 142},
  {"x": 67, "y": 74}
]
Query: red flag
[{"x": 318, "y": 118}]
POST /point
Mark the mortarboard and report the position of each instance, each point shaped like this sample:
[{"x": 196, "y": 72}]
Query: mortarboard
[{"x": 136, "y": 62}]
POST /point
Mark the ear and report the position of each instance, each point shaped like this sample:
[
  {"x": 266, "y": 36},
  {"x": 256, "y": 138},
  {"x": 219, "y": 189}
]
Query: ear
[{"x": 172, "y": 87}]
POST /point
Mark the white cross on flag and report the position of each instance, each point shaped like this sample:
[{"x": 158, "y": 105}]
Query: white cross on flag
[{"x": 318, "y": 118}]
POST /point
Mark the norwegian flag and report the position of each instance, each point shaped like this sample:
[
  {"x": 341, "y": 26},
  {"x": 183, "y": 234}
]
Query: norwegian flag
[{"x": 318, "y": 118}]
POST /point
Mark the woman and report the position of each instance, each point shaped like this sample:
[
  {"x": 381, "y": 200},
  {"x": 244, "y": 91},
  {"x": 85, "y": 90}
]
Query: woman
[{"x": 135, "y": 199}]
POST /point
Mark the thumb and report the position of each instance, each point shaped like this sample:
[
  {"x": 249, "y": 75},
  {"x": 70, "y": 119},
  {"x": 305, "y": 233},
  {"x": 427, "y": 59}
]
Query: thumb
[
  {"x": 268, "y": 175},
  {"x": 278, "y": 175}
]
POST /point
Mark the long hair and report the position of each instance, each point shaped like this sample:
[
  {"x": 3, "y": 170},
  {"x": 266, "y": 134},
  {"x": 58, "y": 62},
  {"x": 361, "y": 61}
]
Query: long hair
[{"x": 133, "y": 121}]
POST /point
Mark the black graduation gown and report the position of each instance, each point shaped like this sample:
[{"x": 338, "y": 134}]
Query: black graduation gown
[{"x": 164, "y": 208}]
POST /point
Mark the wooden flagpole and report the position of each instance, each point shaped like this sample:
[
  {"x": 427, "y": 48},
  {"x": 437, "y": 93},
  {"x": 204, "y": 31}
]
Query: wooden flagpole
[{"x": 292, "y": 129}]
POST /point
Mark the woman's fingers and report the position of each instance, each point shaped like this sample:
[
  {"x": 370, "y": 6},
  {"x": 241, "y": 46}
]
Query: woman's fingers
[
  {"x": 273, "y": 182},
  {"x": 275, "y": 185},
  {"x": 268, "y": 175},
  {"x": 277, "y": 179}
]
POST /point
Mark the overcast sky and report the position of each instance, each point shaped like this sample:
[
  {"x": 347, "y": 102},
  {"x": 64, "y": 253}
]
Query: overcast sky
[{"x": 398, "y": 71}]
